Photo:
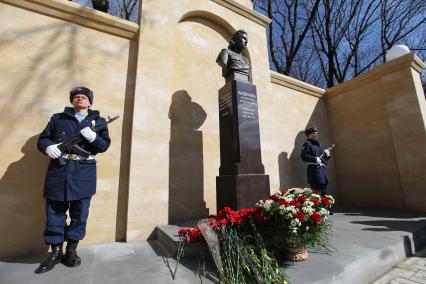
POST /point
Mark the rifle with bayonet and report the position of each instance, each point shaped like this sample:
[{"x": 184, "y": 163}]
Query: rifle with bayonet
[
  {"x": 71, "y": 145},
  {"x": 323, "y": 161}
]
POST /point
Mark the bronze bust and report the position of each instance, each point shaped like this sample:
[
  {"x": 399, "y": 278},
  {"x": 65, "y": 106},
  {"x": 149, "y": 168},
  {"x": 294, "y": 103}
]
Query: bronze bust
[{"x": 234, "y": 65}]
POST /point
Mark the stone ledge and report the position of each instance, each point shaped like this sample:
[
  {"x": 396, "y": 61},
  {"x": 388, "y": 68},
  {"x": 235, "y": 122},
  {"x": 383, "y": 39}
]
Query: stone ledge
[
  {"x": 295, "y": 84},
  {"x": 75, "y": 13},
  {"x": 244, "y": 11},
  {"x": 407, "y": 61}
]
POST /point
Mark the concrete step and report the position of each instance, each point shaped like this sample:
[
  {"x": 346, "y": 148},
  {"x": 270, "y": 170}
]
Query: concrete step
[
  {"x": 167, "y": 238},
  {"x": 368, "y": 242}
]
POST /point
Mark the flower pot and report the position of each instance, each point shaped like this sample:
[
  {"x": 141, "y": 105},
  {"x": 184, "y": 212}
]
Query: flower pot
[{"x": 296, "y": 253}]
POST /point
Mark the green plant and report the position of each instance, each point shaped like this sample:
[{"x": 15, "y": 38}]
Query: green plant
[
  {"x": 180, "y": 253},
  {"x": 245, "y": 258}
]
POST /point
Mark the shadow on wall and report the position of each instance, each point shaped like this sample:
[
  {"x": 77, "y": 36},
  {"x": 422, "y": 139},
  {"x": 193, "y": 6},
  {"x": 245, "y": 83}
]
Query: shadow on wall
[
  {"x": 292, "y": 170},
  {"x": 186, "y": 180},
  {"x": 22, "y": 215}
]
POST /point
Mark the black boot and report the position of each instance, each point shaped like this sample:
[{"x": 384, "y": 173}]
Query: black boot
[
  {"x": 71, "y": 258},
  {"x": 54, "y": 258}
]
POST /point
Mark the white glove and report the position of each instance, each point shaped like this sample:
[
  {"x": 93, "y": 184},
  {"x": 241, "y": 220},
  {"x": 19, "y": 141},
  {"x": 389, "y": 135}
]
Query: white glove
[
  {"x": 89, "y": 134},
  {"x": 53, "y": 151},
  {"x": 318, "y": 160},
  {"x": 327, "y": 152}
]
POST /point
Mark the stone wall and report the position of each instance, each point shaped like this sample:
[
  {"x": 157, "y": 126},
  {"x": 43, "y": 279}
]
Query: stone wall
[
  {"x": 378, "y": 123},
  {"x": 297, "y": 105},
  {"x": 44, "y": 54}
]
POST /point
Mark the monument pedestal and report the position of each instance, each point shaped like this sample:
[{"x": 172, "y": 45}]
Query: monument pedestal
[
  {"x": 242, "y": 181},
  {"x": 241, "y": 191}
]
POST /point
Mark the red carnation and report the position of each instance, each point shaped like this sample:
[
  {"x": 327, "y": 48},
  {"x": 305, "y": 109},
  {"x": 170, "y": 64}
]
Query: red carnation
[
  {"x": 228, "y": 210},
  {"x": 301, "y": 198},
  {"x": 295, "y": 203},
  {"x": 315, "y": 201},
  {"x": 258, "y": 216},
  {"x": 283, "y": 202},
  {"x": 299, "y": 215},
  {"x": 325, "y": 201},
  {"x": 316, "y": 217},
  {"x": 190, "y": 235}
]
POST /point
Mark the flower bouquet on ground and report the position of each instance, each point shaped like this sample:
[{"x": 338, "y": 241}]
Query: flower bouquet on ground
[
  {"x": 296, "y": 219},
  {"x": 238, "y": 248}
]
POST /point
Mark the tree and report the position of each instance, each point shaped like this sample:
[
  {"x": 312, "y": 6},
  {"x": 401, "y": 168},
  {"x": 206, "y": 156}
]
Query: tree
[
  {"x": 344, "y": 38},
  {"x": 290, "y": 25},
  {"x": 125, "y": 9}
]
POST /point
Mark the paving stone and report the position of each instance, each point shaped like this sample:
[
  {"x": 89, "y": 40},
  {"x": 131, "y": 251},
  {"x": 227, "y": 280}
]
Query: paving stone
[
  {"x": 420, "y": 267},
  {"x": 418, "y": 280},
  {"x": 403, "y": 273},
  {"x": 420, "y": 274},
  {"x": 404, "y": 281}
]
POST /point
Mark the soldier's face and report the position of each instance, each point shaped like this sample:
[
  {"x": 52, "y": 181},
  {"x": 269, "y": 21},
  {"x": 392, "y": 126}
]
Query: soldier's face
[
  {"x": 313, "y": 136},
  {"x": 80, "y": 101}
]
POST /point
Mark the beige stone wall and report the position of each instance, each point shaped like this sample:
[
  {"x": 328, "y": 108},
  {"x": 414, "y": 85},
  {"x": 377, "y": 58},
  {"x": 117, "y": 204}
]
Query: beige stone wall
[
  {"x": 41, "y": 59},
  {"x": 175, "y": 146},
  {"x": 378, "y": 124},
  {"x": 296, "y": 106}
]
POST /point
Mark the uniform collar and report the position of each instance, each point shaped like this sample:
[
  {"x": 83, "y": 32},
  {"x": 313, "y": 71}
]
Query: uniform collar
[{"x": 70, "y": 112}]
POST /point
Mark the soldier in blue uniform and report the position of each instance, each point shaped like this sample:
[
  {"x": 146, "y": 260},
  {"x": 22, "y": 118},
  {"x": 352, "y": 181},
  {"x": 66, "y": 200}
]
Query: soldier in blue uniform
[
  {"x": 316, "y": 157},
  {"x": 70, "y": 186}
]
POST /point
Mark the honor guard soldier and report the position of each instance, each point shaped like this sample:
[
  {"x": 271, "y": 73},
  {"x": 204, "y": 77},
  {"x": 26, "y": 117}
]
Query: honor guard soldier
[
  {"x": 316, "y": 157},
  {"x": 71, "y": 178}
]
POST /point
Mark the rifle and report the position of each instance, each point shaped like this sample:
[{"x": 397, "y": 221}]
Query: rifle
[
  {"x": 71, "y": 145},
  {"x": 322, "y": 155}
]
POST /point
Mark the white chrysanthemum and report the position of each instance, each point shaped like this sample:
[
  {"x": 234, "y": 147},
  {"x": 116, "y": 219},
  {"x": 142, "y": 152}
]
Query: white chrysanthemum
[
  {"x": 291, "y": 209},
  {"x": 282, "y": 209},
  {"x": 295, "y": 222},
  {"x": 323, "y": 212},
  {"x": 299, "y": 191},
  {"x": 314, "y": 195},
  {"x": 264, "y": 204},
  {"x": 308, "y": 203},
  {"x": 289, "y": 216},
  {"x": 307, "y": 210},
  {"x": 288, "y": 198}
]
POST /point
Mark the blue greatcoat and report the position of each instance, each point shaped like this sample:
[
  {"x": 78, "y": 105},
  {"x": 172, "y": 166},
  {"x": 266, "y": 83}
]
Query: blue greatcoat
[
  {"x": 317, "y": 175},
  {"x": 77, "y": 178}
]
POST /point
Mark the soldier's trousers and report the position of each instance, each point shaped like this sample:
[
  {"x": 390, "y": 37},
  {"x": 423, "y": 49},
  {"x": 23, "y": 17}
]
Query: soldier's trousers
[
  {"x": 322, "y": 188},
  {"x": 57, "y": 230}
]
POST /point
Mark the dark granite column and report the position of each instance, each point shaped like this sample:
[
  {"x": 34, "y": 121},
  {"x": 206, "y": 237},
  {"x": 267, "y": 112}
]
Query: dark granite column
[{"x": 242, "y": 180}]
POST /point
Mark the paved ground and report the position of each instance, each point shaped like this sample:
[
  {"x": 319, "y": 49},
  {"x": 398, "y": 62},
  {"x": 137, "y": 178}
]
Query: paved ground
[
  {"x": 410, "y": 271},
  {"x": 115, "y": 263},
  {"x": 368, "y": 243}
]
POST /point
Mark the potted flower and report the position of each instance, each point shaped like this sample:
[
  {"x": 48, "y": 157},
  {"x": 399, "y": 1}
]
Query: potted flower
[{"x": 296, "y": 219}]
